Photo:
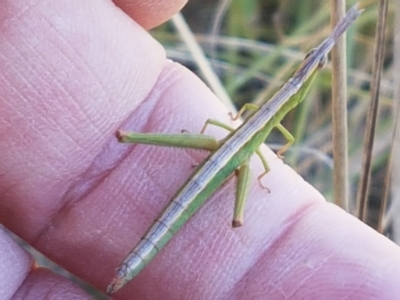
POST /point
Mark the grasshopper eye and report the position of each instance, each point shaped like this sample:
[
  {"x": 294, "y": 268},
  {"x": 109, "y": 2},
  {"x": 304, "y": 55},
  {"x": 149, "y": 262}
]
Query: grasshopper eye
[{"x": 323, "y": 60}]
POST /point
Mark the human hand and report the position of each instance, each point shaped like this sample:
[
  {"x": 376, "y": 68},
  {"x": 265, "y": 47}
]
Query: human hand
[{"x": 76, "y": 71}]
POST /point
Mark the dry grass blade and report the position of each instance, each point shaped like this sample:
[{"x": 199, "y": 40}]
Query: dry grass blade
[
  {"x": 201, "y": 60},
  {"x": 339, "y": 112},
  {"x": 362, "y": 203}
]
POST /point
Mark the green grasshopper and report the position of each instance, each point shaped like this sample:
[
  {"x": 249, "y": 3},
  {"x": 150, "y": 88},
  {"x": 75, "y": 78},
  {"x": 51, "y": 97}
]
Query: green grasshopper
[{"x": 230, "y": 155}]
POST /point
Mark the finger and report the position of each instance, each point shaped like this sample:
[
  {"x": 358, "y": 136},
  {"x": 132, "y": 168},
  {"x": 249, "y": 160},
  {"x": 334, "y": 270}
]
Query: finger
[
  {"x": 62, "y": 86},
  {"x": 150, "y": 14},
  {"x": 15, "y": 264}
]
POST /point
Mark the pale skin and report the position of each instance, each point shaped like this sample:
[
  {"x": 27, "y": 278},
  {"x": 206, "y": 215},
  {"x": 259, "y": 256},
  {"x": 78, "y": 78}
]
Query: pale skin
[{"x": 292, "y": 242}]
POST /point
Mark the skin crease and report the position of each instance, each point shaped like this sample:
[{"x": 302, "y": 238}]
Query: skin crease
[{"x": 72, "y": 73}]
